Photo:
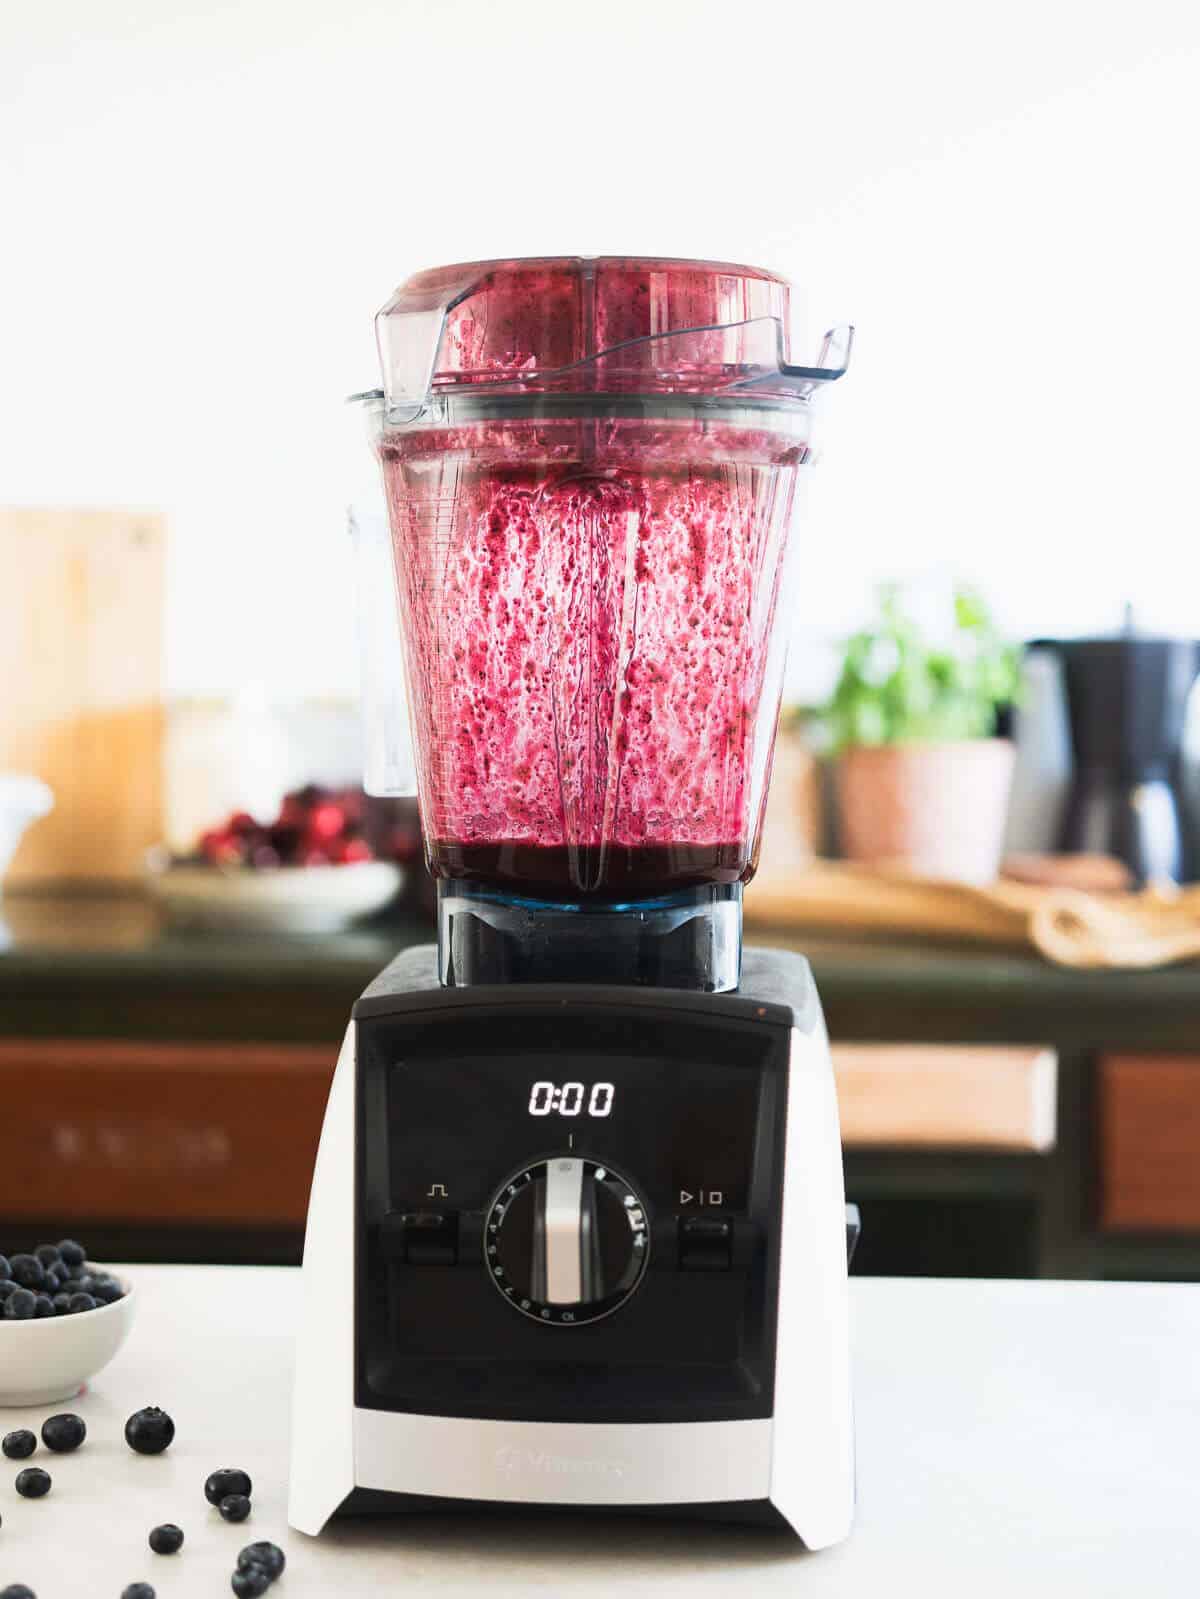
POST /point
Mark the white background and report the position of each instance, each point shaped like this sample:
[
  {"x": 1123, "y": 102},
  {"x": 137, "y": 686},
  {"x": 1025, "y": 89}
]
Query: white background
[{"x": 201, "y": 207}]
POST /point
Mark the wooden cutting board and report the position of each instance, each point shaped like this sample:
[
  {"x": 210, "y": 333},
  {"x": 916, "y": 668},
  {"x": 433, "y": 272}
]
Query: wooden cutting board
[{"x": 81, "y": 645}]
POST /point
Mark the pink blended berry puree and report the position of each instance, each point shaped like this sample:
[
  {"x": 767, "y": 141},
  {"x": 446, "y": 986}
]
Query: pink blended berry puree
[{"x": 588, "y": 607}]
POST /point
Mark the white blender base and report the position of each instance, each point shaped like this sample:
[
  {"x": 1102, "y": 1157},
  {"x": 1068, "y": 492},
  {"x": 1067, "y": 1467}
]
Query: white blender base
[
  {"x": 322, "y": 1467},
  {"x": 800, "y": 1461}
]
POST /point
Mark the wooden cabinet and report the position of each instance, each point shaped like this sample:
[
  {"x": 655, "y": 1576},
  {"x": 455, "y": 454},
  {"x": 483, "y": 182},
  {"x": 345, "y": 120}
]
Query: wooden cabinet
[
  {"x": 220, "y": 1135},
  {"x": 208, "y": 1134},
  {"x": 1149, "y": 1157},
  {"x": 946, "y": 1096}
]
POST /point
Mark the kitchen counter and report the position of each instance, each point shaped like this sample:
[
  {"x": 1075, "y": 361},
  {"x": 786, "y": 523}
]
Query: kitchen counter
[
  {"x": 1029, "y": 1438},
  {"x": 114, "y": 949}
]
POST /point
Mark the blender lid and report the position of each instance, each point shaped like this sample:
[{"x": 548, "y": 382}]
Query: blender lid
[{"x": 593, "y": 325}]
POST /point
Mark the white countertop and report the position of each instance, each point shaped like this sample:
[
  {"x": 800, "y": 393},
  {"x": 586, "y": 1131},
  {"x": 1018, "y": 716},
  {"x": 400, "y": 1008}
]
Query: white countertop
[{"x": 1015, "y": 1439}]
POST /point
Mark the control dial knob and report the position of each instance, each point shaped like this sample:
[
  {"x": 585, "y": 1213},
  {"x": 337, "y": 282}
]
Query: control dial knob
[{"x": 566, "y": 1240}]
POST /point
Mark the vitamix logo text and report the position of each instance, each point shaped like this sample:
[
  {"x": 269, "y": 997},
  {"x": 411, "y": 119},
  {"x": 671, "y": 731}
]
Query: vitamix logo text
[{"x": 521, "y": 1462}]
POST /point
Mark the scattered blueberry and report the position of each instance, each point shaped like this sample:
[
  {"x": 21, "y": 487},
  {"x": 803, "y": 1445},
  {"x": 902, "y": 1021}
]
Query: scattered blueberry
[
  {"x": 167, "y": 1539},
  {"x": 17, "y": 1590},
  {"x": 19, "y": 1445},
  {"x": 74, "y": 1254},
  {"x": 265, "y": 1554},
  {"x": 248, "y": 1582},
  {"x": 21, "y": 1305},
  {"x": 33, "y": 1483},
  {"x": 149, "y": 1431},
  {"x": 234, "y": 1507},
  {"x": 28, "y": 1271},
  {"x": 5, "y": 1269},
  {"x": 229, "y": 1480},
  {"x": 63, "y": 1433},
  {"x": 48, "y": 1254},
  {"x": 138, "y": 1590}
]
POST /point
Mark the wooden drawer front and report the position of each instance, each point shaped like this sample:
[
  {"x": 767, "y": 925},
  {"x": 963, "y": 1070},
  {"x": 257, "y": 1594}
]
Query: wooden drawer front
[
  {"x": 1150, "y": 1143},
  {"x": 946, "y": 1096},
  {"x": 216, "y": 1134}
]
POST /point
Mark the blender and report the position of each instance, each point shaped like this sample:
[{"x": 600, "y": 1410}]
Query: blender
[{"x": 577, "y": 1230}]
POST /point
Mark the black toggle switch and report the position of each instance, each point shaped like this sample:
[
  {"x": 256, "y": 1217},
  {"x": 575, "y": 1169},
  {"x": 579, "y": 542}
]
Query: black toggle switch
[
  {"x": 421, "y": 1237},
  {"x": 431, "y": 1237},
  {"x": 705, "y": 1243}
]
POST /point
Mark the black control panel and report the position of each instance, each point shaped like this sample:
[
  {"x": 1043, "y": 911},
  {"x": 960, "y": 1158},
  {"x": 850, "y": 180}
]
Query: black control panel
[{"x": 569, "y": 1203}]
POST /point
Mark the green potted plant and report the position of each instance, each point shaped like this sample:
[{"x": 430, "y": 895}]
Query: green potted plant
[{"x": 921, "y": 779}]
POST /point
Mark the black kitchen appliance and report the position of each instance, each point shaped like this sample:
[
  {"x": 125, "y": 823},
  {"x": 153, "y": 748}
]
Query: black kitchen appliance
[{"x": 1127, "y": 697}]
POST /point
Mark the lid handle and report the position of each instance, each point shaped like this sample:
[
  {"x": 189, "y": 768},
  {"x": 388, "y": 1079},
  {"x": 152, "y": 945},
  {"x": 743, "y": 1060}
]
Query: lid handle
[{"x": 409, "y": 340}]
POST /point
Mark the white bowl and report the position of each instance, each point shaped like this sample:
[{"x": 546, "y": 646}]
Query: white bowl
[
  {"x": 297, "y": 899},
  {"x": 22, "y": 800},
  {"x": 50, "y": 1358}
]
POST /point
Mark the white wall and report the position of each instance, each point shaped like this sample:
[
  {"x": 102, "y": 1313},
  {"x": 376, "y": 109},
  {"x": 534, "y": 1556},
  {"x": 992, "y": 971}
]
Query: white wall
[{"x": 201, "y": 207}]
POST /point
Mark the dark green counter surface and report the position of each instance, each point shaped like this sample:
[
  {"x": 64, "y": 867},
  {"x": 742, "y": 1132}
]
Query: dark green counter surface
[{"x": 106, "y": 966}]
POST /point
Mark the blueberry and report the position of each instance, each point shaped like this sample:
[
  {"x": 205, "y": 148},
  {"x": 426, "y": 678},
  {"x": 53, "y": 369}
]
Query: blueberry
[
  {"x": 74, "y": 1254},
  {"x": 7, "y": 1286},
  {"x": 48, "y": 1254},
  {"x": 138, "y": 1590},
  {"x": 229, "y": 1480},
  {"x": 62, "y": 1304},
  {"x": 56, "y": 1276},
  {"x": 21, "y": 1305},
  {"x": 28, "y": 1271},
  {"x": 234, "y": 1507},
  {"x": 265, "y": 1554},
  {"x": 248, "y": 1582},
  {"x": 17, "y": 1590},
  {"x": 78, "y": 1303},
  {"x": 33, "y": 1482},
  {"x": 149, "y": 1431},
  {"x": 19, "y": 1445},
  {"x": 76, "y": 1271},
  {"x": 167, "y": 1539},
  {"x": 5, "y": 1269},
  {"x": 62, "y": 1434},
  {"x": 43, "y": 1305},
  {"x": 107, "y": 1293}
]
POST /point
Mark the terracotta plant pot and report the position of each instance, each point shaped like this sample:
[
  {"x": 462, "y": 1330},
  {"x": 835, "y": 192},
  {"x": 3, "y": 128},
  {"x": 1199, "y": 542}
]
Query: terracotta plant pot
[{"x": 936, "y": 809}]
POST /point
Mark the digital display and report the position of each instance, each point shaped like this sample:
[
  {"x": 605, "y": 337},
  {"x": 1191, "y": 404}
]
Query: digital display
[
  {"x": 492, "y": 1098},
  {"x": 571, "y": 1099}
]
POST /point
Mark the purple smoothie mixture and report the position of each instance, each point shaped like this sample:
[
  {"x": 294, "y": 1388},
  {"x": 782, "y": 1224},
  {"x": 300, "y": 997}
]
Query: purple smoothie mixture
[{"x": 588, "y": 611}]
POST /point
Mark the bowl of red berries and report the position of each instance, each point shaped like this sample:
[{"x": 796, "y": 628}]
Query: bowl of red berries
[
  {"x": 62, "y": 1319},
  {"x": 310, "y": 870}
]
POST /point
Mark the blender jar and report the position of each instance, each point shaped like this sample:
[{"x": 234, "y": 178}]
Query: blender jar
[{"x": 590, "y": 468}]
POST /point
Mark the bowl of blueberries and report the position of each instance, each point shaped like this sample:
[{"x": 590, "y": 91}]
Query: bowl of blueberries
[{"x": 62, "y": 1319}]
